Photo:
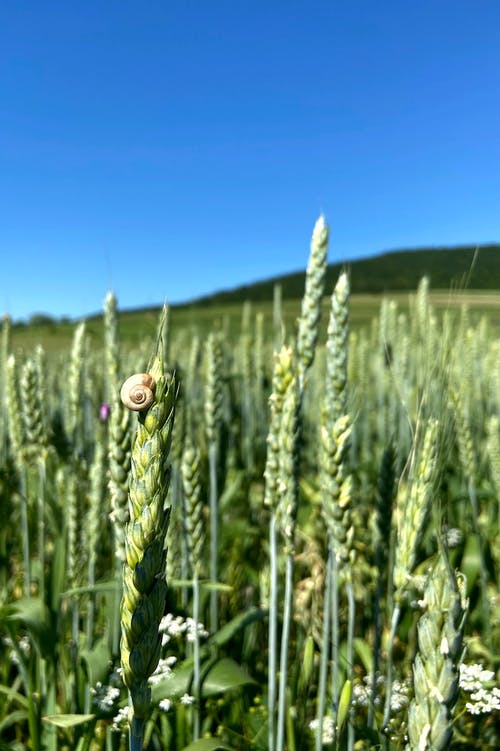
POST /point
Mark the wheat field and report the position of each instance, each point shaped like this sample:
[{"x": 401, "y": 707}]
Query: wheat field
[{"x": 292, "y": 543}]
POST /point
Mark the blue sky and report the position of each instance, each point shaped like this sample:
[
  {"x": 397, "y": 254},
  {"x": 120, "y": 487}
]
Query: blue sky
[{"x": 170, "y": 149}]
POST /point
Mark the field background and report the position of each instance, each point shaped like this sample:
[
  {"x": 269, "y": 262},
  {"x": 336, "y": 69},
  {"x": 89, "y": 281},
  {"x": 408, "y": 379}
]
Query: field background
[
  {"x": 204, "y": 317},
  {"x": 458, "y": 276},
  {"x": 383, "y": 445}
]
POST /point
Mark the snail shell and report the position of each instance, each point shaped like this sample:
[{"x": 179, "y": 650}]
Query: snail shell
[{"x": 138, "y": 391}]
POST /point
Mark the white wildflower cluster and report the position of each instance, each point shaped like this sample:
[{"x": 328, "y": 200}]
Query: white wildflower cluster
[
  {"x": 473, "y": 677},
  {"x": 454, "y": 537},
  {"x": 484, "y": 698},
  {"x": 195, "y": 628},
  {"x": 400, "y": 695},
  {"x": 166, "y": 704},
  {"x": 121, "y": 720},
  {"x": 328, "y": 733},
  {"x": 362, "y": 692},
  {"x": 163, "y": 670},
  {"x": 104, "y": 696},
  {"x": 23, "y": 646},
  {"x": 173, "y": 627}
]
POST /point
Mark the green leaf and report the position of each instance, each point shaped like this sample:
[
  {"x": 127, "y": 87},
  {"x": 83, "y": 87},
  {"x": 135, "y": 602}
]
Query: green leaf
[
  {"x": 207, "y": 744},
  {"x": 241, "y": 621},
  {"x": 258, "y": 727},
  {"x": 225, "y": 675},
  {"x": 14, "y": 695},
  {"x": 68, "y": 720},
  {"x": 344, "y": 704},
  {"x": 107, "y": 586},
  {"x": 97, "y": 662},
  {"x": 35, "y": 615},
  {"x": 58, "y": 572},
  {"x": 471, "y": 562},
  {"x": 19, "y": 716},
  {"x": 231, "y": 490},
  {"x": 204, "y": 585},
  {"x": 365, "y": 654}
]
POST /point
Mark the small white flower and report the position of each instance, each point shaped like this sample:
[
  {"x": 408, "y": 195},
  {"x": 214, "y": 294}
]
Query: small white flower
[
  {"x": 362, "y": 692},
  {"x": 454, "y": 537},
  {"x": 165, "y": 705},
  {"x": 163, "y": 670},
  {"x": 104, "y": 696},
  {"x": 121, "y": 720},
  {"x": 328, "y": 733},
  {"x": 472, "y": 677},
  {"x": 399, "y": 696},
  {"x": 193, "y": 629},
  {"x": 186, "y": 700},
  {"x": 173, "y": 627},
  {"x": 483, "y": 699},
  {"x": 25, "y": 645}
]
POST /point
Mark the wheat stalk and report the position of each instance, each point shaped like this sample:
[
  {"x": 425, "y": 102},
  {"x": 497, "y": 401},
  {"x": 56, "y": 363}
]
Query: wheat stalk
[
  {"x": 435, "y": 668},
  {"x": 144, "y": 585}
]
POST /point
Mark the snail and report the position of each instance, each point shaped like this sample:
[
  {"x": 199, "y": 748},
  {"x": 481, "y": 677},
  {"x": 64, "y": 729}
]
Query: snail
[{"x": 138, "y": 391}]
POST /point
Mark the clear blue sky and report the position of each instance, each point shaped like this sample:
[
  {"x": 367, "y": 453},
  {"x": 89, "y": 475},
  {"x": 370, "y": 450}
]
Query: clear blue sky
[{"x": 170, "y": 148}]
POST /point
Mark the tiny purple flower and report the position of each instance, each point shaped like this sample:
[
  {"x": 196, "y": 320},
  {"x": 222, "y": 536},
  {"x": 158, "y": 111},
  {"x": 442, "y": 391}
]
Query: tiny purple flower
[{"x": 104, "y": 412}]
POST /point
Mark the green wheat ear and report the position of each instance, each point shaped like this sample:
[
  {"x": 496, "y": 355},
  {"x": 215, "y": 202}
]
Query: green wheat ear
[
  {"x": 144, "y": 585},
  {"x": 435, "y": 668}
]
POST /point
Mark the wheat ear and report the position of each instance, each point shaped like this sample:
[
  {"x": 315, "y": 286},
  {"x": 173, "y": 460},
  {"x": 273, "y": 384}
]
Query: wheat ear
[
  {"x": 282, "y": 377},
  {"x": 308, "y": 322},
  {"x": 213, "y": 405},
  {"x": 435, "y": 669},
  {"x": 412, "y": 513},
  {"x": 144, "y": 585}
]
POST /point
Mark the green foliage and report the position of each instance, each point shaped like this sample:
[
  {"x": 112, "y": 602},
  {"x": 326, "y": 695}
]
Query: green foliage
[{"x": 410, "y": 368}]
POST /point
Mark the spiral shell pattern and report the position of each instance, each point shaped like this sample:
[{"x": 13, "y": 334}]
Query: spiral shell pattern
[{"x": 138, "y": 392}]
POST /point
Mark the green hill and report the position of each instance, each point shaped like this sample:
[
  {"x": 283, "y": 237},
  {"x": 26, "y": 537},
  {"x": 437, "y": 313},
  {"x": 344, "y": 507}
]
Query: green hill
[{"x": 395, "y": 271}]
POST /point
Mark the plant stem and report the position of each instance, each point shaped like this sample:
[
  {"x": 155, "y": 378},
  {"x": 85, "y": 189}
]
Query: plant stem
[
  {"x": 136, "y": 733},
  {"x": 482, "y": 568},
  {"x": 214, "y": 534},
  {"x": 387, "y": 707},
  {"x": 325, "y": 649},
  {"x": 25, "y": 530},
  {"x": 273, "y": 631},
  {"x": 74, "y": 649},
  {"x": 376, "y": 650},
  {"x": 350, "y": 654},
  {"x": 196, "y": 659},
  {"x": 335, "y": 638},
  {"x": 290, "y": 726},
  {"x": 41, "y": 525},
  {"x": 285, "y": 638}
]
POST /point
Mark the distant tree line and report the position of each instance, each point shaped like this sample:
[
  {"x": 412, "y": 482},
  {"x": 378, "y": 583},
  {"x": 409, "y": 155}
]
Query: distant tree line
[{"x": 397, "y": 271}]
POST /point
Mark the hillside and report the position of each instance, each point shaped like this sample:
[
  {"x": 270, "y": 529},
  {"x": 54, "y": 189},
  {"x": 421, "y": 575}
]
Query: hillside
[{"x": 399, "y": 270}]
